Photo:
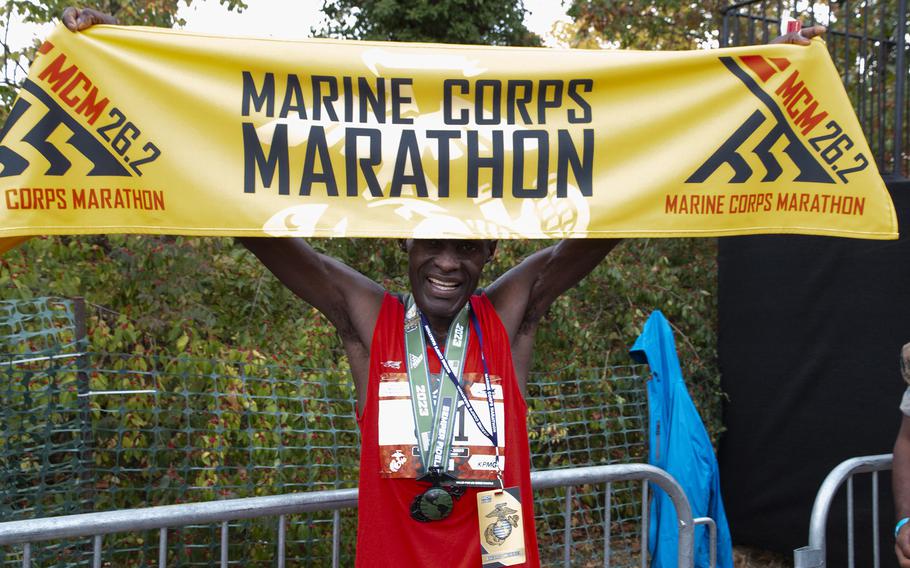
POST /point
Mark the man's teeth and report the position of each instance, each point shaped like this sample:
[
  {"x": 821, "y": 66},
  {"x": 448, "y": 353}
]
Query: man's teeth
[{"x": 441, "y": 284}]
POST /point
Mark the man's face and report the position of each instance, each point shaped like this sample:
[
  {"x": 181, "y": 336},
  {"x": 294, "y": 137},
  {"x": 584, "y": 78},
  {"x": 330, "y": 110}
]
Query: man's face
[{"x": 444, "y": 273}]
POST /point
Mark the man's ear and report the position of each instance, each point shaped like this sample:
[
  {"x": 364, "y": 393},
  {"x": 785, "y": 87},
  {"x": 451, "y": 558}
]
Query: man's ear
[
  {"x": 492, "y": 249},
  {"x": 403, "y": 245}
]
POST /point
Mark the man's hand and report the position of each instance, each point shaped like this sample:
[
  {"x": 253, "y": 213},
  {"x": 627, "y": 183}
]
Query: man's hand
[
  {"x": 802, "y": 37},
  {"x": 78, "y": 19},
  {"x": 902, "y": 546}
]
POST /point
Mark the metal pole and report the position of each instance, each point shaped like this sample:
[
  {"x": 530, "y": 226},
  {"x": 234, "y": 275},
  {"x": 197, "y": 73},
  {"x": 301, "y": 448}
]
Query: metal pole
[
  {"x": 725, "y": 30},
  {"x": 86, "y": 459},
  {"x": 567, "y": 529},
  {"x": 282, "y": 535},
  {"x": 608, "y": 523},
  {"x": 645, "y": 523},
  {"x": 851, "y": 552},
  {"x": 900, "y": 73},
  {"x": 162, "y": 547},
  {"x": 224, "y": 544},
  {"x": 712, "y": 538},
  {"x": 336, "y": 538},
  {"x": 96, "y": 551},
  {"x": 876, "y": 557},
  {"x": 153, "y": 518},
  {"x": 27, "y": 555},
  {"x": 813, "y": 555}
]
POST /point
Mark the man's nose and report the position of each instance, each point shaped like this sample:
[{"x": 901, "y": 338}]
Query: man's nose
[{"x": 447, "y": 258}]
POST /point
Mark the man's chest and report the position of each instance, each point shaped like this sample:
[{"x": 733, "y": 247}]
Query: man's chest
[{"x": 411, "y": 415}]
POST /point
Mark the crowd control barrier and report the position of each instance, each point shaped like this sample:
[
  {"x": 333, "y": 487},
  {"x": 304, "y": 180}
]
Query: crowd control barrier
[
  {"x": 162, "y": 518},
  {"x": 813, "y": 555}
]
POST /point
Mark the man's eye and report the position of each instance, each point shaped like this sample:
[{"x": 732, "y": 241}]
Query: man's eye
[{"x": 467, "y": 247}]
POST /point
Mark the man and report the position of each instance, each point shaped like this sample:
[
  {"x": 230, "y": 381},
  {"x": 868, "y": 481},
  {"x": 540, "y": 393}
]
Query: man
[
  {"x": 443, "y": 278},
  {"x": 418, "y": 361},
  {"x": 900, "y": 476}
]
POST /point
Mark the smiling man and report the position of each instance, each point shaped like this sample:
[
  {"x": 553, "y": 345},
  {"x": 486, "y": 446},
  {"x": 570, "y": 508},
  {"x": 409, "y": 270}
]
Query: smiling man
[{"x": 440, "y": 375}]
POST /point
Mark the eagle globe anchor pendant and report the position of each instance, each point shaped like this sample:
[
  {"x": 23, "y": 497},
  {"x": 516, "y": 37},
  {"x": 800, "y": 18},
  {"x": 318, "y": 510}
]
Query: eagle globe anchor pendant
[{"x": 437, "y": 501}]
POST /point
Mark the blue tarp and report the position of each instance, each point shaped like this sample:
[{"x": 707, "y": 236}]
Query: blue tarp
[{"x": 679, "y": 445}]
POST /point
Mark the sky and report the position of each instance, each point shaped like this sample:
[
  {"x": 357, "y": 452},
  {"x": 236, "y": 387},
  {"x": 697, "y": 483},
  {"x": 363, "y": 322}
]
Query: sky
[{"x": 283, "y": 19}]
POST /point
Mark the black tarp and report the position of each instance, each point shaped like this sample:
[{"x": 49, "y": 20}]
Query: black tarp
[{"x": 809, "y": 335}]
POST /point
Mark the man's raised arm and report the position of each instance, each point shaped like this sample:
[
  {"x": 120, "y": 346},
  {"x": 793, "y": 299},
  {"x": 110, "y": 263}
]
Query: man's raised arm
[
  {"x": 522, "y": 295},
  {"x": 350, "y": 300}
]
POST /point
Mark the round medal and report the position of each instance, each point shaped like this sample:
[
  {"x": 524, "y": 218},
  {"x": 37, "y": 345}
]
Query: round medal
[{"x": 434, "y": 504}]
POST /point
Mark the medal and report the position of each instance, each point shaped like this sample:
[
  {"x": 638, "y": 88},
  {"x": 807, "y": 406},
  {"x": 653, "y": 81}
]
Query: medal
[
  {"x": 434, "y": 416},
  {"x": 437, "y": 501}
]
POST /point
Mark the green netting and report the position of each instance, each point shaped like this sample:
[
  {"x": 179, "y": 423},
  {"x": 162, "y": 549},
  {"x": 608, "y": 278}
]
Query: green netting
[
  {"x": 45, "y": 431},
  {"x": 149, "y": 430},
  {"x": 38, "y": 326}
]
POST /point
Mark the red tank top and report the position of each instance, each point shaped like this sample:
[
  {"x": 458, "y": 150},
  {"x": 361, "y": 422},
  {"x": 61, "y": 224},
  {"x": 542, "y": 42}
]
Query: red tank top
[{"x": 386, "y": 534}]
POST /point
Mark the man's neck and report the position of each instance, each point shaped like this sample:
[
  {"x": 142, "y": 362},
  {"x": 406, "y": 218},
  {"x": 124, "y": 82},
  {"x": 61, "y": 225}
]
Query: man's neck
[{"x": 440, "y": 330}]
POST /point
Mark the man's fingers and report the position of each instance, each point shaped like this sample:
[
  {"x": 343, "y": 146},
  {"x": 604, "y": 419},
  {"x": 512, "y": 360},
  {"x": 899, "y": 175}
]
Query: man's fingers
[
  {"x": 802, "y": 37},
  {"x": 69, "y": 18},
  {"x": 77, "y": 20},
  {"x": 902, "y": 559},
  {"x": 89, "y": 18},
  {"x": 792, "y": 37},
  {"x": 813, "y": 31}
]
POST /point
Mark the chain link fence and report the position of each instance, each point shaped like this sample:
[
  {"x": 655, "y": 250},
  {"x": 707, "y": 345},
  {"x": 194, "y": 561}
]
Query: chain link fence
[{"x": 88, "y": 431}]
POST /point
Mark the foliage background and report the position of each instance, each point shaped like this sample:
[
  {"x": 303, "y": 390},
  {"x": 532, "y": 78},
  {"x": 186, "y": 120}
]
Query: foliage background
[{"x": 209, "y": 297}]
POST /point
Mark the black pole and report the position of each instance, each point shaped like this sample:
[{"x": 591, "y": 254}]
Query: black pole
[
  {"x": 86, "y": 489},
  {"x": 900, "y": 74}
]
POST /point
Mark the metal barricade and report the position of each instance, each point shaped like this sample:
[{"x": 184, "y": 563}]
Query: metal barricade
[
  {"x": 162, "y": 518},
  {"x": 813, "y": 555}
]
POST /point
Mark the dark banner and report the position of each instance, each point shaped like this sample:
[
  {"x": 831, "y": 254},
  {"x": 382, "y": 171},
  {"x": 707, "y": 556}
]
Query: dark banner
[{"x": 810, "y": 330}]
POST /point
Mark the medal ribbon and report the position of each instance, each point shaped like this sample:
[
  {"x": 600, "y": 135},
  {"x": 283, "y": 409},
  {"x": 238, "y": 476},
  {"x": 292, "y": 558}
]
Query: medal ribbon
[
  {"x": 492, "y": 434},
  {"x": 434, "y": 416}
]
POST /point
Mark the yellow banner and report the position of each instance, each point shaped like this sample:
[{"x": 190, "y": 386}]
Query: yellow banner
[{"x": 139, "y": 130}]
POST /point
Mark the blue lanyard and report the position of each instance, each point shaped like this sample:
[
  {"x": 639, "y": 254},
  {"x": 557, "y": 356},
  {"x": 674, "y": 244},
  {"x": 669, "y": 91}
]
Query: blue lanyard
[{"x": 491, "y": 434}]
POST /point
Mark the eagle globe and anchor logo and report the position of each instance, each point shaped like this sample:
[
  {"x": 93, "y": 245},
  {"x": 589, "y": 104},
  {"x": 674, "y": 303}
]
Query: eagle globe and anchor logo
[{"x": 499, "y": 530}]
